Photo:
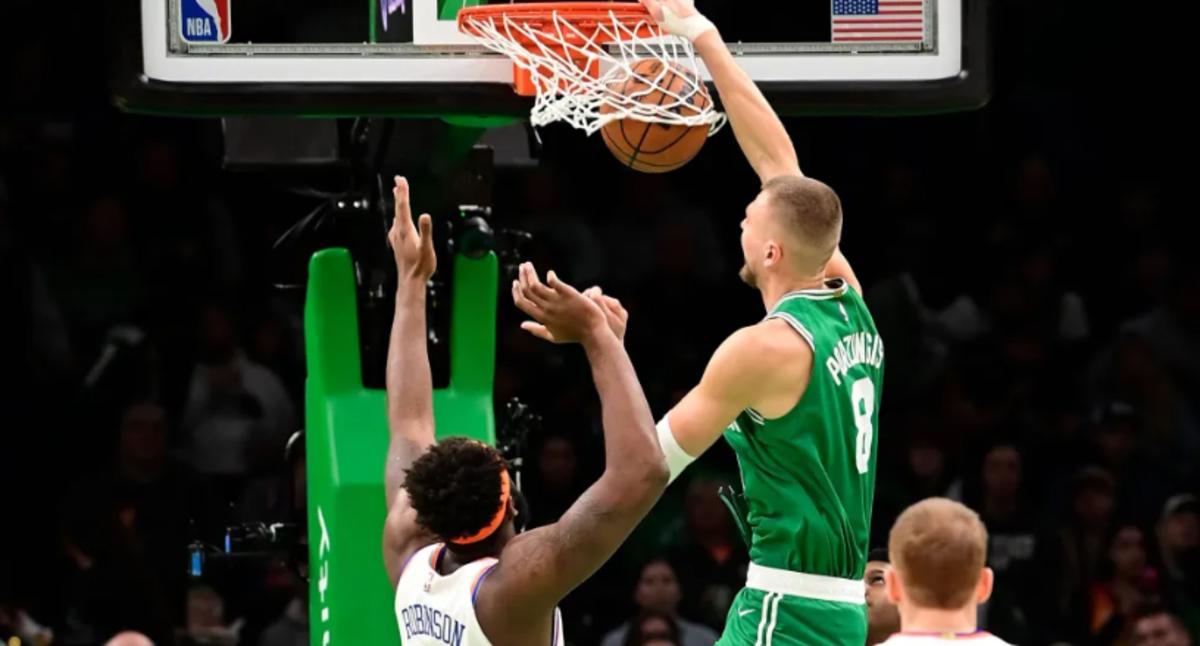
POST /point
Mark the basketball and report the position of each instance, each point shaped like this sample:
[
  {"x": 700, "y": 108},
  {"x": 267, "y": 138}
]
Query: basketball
[{"x": 657, "y": 147}]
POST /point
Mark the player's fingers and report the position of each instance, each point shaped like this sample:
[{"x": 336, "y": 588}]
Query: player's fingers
[
  {"x": 558, "y": 285},
  {"x": 524, "y": 275},
  {"x": 593, "y": 292},
  {"x": 403, "y": 222},
  {"x": 538, "y": 330},
  {"x": 534, "y": 287},
  {"x": 613, "y": 308},
  {"x": 615, "y": 305},
  {"x": 523, "y": 303},
  {"x": 527, "y": 278},
  {"x": 655, "y": 9},
  {"x": 680, "y": 7},
  {"x": 426, "y": 226}
]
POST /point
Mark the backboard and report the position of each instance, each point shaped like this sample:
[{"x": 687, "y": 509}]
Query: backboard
[{"x": 360, "y": 57}]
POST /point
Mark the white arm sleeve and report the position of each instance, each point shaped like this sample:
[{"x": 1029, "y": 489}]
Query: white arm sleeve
[
  {"x": 677, "y": 458},
  {"x": 690, "y": 28}
]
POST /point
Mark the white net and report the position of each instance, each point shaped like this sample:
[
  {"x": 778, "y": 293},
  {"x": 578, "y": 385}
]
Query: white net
[{"x": 591, "y": 75}]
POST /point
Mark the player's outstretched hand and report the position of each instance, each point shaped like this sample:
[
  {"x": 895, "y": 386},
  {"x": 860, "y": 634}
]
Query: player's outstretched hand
[
  {"x": 678, "y": 17},
  {"x": 560, "y": 313},
  {"x": 415, "y": 258},
  {"x": 618, "y": 318}
]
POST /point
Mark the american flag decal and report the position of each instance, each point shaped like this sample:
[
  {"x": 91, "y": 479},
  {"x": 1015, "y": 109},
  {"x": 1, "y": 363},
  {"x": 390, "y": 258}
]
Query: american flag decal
[{"x": 878, "y": 21}]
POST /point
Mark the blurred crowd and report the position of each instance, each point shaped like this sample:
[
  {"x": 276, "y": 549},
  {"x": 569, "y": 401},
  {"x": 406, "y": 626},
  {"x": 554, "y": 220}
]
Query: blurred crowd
[{"x": 1024, "y": 263}]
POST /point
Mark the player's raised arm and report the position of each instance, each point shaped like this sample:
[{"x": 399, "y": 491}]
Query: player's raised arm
[
  {"x": 409, "y": 384},
  {"x": 737, "y": 378},
  {"x": 539, "y": 567},
  {"x": 759, "y": 131}
]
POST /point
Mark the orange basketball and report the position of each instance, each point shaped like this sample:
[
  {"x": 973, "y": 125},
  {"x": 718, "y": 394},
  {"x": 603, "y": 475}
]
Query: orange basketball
[{"x": 657, "y": 147}]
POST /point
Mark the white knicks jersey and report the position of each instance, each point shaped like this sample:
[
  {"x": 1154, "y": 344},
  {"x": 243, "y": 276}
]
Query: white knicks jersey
[
  {"x": 435, "y": 610},
  {"x": 978, "y": 638}
]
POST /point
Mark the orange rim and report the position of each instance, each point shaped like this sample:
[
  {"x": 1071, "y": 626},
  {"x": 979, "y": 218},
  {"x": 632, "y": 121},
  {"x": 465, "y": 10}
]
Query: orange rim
[{"x": 539, "y": 16}]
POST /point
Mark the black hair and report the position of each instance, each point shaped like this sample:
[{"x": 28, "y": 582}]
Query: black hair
[
  {"x": 635, "y": 636},
  {"x": 455, "y": 487}
]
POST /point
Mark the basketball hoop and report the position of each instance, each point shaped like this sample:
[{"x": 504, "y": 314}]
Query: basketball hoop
[{"x": 574, "y": 58}]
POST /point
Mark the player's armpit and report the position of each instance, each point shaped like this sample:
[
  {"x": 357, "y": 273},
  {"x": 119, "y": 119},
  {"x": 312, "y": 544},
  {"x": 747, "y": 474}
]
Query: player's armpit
[{"x": 402, "y": 536}]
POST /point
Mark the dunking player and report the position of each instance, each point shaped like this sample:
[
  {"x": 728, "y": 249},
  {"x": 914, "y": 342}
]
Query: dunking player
[
  {"x": 461, "y": 573},
  {"x": 796, "y": 395},
  {"x": 939, "y": 575}
]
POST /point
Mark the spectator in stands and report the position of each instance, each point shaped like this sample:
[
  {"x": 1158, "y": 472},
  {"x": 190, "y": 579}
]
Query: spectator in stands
[
  {"x": 658, "y": 591},
  {"x": 1127, "y": 584},
  {"x": 556, "y": 483},
  {"x": 1012, "y": 541},
  {"x": 233, "y": 402},
  {"x": 16, "y": 625},
  {"x": 1160, "y": 627},
  {"x": 100, "y": 284},
  {"x": 1133, "y": 373},
  {"x": 883, "y": 619},
  {"x": 1079, "y": 544},
  {"x": 206, "y": 621},
  {"x": 1118, "y": 438},
  {"x": 1179, "y": 545},
  {"x": 716, "y": 556},
  {"x": 125, "y": 532},
  {"x": 291, "y": 627},
  {"x": 653, "y": 629},
  {"x": 925, "y": 472}
]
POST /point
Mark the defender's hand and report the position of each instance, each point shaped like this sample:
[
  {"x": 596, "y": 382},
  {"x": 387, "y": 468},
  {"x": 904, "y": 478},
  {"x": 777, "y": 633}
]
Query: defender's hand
[
  {"x": 614, "y": 312},
  {"x": 415, "y": 258},
  {"x": 562, "y": 314}
]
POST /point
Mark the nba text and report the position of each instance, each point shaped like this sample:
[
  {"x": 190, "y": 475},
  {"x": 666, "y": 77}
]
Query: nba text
[{"x": 199, "y": 28}]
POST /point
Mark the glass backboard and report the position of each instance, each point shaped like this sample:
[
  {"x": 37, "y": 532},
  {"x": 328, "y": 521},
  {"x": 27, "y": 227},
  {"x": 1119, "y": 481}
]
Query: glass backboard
[{"x": 408, "y": 57}]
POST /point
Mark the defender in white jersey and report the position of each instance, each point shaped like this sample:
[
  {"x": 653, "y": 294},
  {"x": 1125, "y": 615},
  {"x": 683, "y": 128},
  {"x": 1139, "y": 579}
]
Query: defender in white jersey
[
  {"x": 939, "y": 575},
  {"x": 462, "y": 575}
]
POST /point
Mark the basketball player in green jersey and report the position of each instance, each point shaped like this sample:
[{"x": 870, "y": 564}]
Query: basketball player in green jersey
[{"x": 796, "y": 395}]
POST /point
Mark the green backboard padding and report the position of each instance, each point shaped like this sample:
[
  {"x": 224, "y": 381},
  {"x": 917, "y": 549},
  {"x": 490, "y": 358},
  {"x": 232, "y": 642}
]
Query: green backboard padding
[
  {"x": 351, "y": 601},
  {"x": 448, "y": 9}
]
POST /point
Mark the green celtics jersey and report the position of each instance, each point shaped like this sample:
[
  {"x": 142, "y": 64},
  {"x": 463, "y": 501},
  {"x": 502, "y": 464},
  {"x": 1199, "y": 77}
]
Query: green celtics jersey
[{"x": 809, "y": 476}]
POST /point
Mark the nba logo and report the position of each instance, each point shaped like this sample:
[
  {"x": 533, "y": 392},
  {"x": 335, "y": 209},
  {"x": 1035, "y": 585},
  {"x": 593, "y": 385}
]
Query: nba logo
[{"x": 204, "y": 21}]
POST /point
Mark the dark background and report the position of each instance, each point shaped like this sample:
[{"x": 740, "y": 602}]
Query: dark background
[{"x": 1028, "y": 265}]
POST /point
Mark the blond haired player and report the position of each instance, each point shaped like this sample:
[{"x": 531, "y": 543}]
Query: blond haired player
[
  {"x": 796, "y": 395},
  {"x": 939, "y": 577}
]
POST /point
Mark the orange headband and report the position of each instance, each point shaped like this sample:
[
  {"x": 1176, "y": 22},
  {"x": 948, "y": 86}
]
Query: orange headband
[{"x": 492, "y": 526}]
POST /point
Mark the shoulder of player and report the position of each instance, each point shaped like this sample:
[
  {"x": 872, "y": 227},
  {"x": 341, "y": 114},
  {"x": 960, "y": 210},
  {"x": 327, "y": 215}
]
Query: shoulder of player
[
  {"x": 513, "y": 593},
  {"x": 775, "y": 336},
  {"x": 911, "y": 639},
  {"x": 762, "y": 350}
]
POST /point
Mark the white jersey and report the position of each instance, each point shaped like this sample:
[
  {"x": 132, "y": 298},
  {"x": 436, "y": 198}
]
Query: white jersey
[
  {"x": 434, "y": 609},
  {"x": 978, "y": 638}
]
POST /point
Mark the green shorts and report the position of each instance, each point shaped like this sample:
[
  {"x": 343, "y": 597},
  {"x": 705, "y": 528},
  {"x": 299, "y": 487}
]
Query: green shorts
[{"x": 759, "y": 618}]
